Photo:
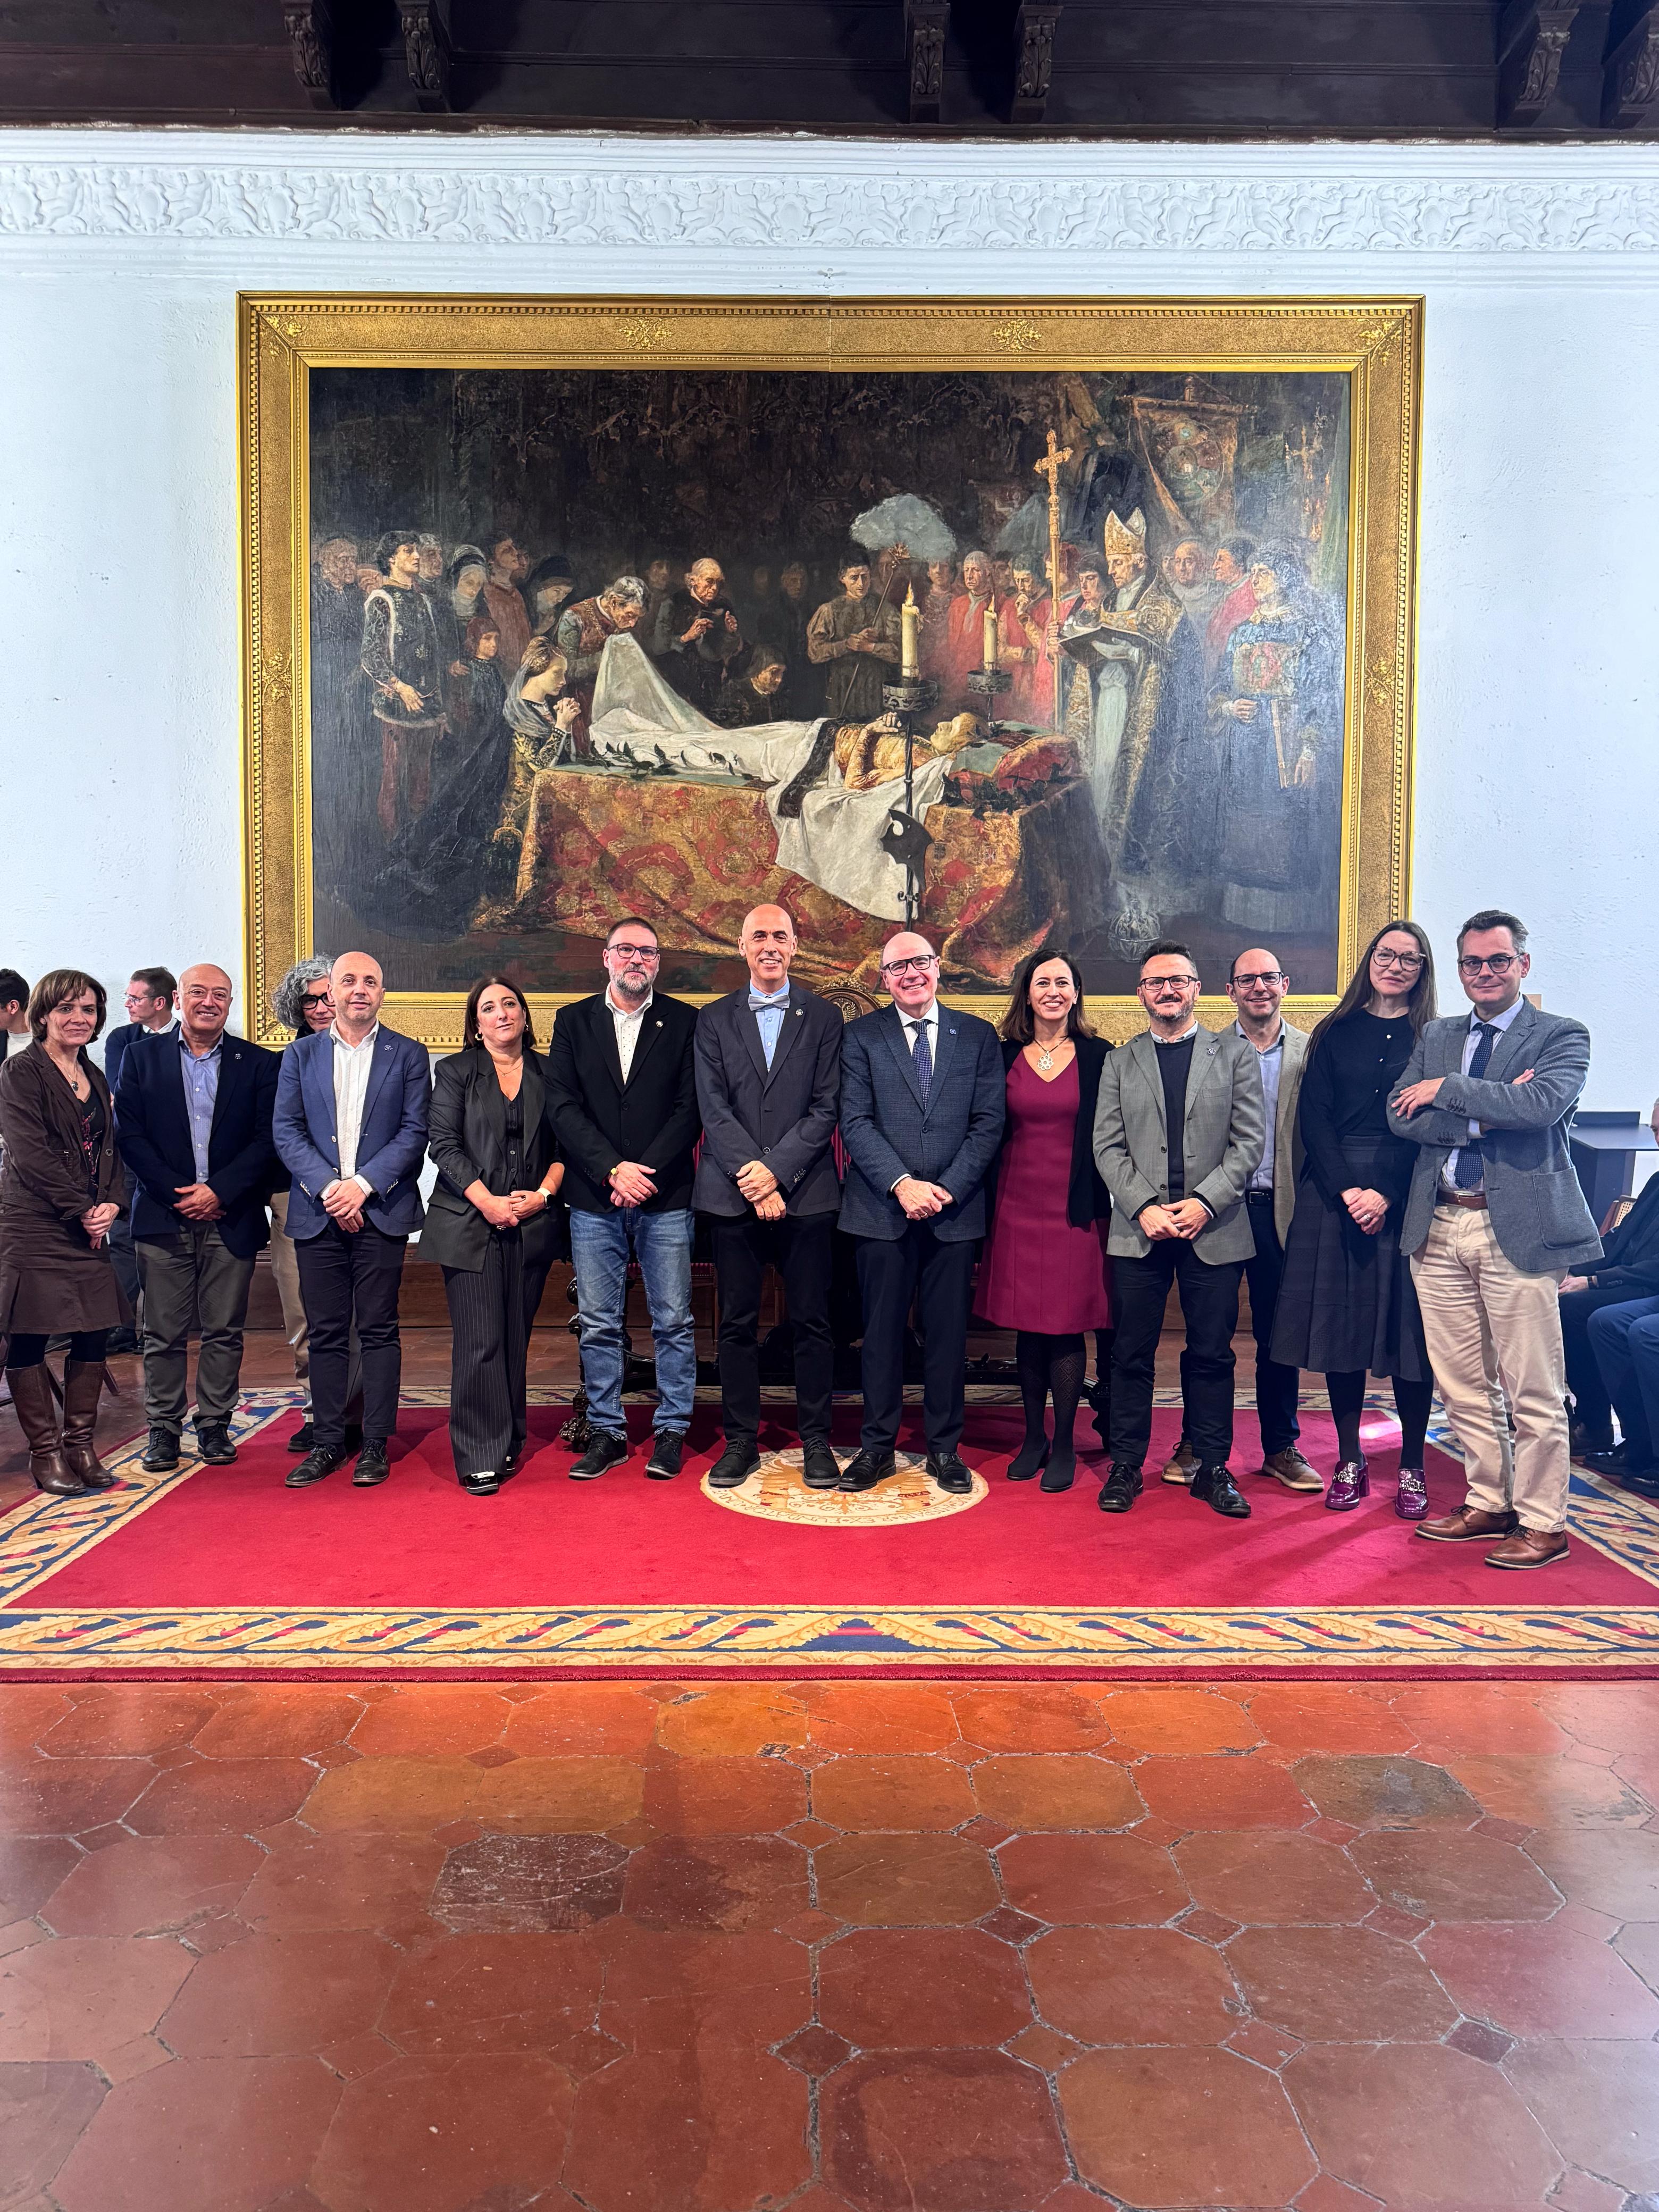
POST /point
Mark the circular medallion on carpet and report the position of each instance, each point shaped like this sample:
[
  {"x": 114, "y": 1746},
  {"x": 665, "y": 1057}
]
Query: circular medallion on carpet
[{"x": 775, "y": 1491}]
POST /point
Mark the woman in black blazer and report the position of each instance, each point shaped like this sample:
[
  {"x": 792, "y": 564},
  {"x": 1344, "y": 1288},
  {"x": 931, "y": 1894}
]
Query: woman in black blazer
[
  {"x": 1045, "y": 1273},
  {"x": 492, "y": 1223}
]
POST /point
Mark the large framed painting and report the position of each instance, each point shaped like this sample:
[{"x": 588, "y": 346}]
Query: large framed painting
[{"x": 1087, "y": 622}]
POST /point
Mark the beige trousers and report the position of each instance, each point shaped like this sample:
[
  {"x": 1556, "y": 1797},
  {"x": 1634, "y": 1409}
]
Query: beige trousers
[{"x": 1494, "y": 1340}]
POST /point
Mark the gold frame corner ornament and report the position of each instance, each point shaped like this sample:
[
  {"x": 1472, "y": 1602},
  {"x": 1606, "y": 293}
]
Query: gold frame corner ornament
[{"x": 1378, "y": 343}]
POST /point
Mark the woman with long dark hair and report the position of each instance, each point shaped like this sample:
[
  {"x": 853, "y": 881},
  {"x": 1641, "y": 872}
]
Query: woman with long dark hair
[
  {"x": 1347, "y": 1304},
  {"x": 1045, "y": 1273}
]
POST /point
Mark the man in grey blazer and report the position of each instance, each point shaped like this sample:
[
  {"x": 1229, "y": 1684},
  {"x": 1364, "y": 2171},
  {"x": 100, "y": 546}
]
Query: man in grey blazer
[
  {"x": 768, "y": 1087},
  {"x": 921, "y": 1112},
  {"x": 1494, "y": 1220},
  {"x": 1179, "y": 1131}
]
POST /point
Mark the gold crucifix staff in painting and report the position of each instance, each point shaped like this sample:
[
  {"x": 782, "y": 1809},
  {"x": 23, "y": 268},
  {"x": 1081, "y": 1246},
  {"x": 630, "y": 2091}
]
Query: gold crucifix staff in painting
[{"x": 1048, "y": 466}]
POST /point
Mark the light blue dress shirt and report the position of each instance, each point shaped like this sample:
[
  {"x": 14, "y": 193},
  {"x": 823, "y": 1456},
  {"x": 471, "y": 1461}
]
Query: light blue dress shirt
[
  {"x": 768, "y": 1012},
  {"x": 1271, "y": 1066},
  {"x": 201, "y": 1095}
]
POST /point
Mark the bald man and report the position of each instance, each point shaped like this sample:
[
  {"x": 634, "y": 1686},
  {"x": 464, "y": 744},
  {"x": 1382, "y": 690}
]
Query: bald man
[
  {"x": 352, "y": 1103},
  {"x": 193, "y": 1114},
  {"x": 768, "y": 1087}
]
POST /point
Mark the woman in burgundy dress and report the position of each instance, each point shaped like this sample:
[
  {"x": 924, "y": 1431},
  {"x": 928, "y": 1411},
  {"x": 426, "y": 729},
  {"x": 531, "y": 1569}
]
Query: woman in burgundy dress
[{"x": 1045, "y": 1273}]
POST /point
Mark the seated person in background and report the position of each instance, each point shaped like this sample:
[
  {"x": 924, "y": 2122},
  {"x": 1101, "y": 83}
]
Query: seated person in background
[
  {"x": 1626, "y": 1275},
  {"x": 750, "y": 692},
  {"x": 1625, "y": 1342}
]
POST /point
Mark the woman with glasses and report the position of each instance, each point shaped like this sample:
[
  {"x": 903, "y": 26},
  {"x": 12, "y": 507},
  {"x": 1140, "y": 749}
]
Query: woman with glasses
[
  {"x": 1045, "y": 1273},
  {"x": 1347, "y": 1304}
]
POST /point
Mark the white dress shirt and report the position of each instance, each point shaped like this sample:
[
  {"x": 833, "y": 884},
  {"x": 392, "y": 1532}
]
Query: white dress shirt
[
  {"x": 1500, "y": 1023},
  {"x": 351, "y": 1065},
  {"x": 628, "y": 1026}
]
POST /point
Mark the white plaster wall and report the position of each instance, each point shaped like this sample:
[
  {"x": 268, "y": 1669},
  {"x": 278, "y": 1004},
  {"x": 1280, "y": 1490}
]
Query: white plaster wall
[{"x": 120, "y": 254}]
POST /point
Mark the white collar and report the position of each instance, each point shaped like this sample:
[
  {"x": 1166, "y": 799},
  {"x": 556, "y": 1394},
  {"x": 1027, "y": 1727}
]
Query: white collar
[
  {"x": 930, "y": 1017},
  {"x": 623, "y": 1013},
  {"x": 342, "y": 1045},
  {"x": 1182, "y": 1039},
  {"x": 1494, "y": 1021}
]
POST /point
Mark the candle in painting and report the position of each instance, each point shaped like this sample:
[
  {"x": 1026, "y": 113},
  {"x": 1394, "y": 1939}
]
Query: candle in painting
[
  {"x": 990, "y": 637},
  {"x": 910, "y": 639}
]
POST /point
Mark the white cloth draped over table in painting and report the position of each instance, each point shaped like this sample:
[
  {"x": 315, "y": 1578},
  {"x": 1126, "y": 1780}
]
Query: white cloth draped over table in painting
[{"x": 640, "y": 725}]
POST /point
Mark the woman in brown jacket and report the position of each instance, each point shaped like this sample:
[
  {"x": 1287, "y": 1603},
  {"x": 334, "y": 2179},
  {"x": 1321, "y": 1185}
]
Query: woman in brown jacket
[{"x": 61, "y": 1187}]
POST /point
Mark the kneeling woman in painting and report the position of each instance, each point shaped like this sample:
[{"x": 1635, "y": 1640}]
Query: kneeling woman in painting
[{"x": 493, "y": 1225}]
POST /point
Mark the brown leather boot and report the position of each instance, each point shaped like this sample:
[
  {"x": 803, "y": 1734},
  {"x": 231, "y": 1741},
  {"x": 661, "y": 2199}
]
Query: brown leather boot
[
  {"x": 37, "y": 1412},
  {"x": 84, "y": 1385}
]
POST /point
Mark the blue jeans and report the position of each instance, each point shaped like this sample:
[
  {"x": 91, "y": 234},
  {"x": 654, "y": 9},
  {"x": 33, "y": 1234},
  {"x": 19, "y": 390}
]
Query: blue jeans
[
  {"x": 600, "y": 1244},
  {"x": 1625, "y": 1342}
]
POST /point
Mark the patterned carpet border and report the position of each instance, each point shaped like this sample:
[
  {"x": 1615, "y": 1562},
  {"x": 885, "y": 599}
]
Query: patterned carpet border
[{"x": 42, "y": 1538}]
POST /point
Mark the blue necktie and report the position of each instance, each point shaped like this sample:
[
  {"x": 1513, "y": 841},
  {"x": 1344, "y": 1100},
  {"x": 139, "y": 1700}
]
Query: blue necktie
[
  {"x": 1471, "y": 1167},
  {"x": 922, "y": 1058}
]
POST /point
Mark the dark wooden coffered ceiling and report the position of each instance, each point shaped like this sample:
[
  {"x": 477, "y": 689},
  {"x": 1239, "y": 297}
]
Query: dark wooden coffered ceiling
[{"x": 1108, "y": 69}]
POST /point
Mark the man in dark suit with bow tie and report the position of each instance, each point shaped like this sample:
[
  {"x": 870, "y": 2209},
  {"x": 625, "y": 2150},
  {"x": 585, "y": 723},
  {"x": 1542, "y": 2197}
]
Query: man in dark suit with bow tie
[
  {"x": 769, "y": 1086},
  {"x": 921, "y": 1114},
  {"x": 623, "y": 1091}
]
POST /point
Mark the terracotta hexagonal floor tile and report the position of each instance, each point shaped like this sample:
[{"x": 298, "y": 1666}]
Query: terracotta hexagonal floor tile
[
  {"x": 31, "y": 1868},
  {"x": 1450, "y": 1718},
  {"x": 1340, "y": 1985},
  {"x": 723, "y": 1796},
  {"x": 721, "y": 2127},
  {"x": 211, "y": 2135},
  {"x": 1469, "y": 2141},
  {"x": 730, "y": 1720},
  {"x": 559, "y": 1796},
  {"x": 153, "y": 1884},
  {"x": 1056, "y": 1791},
  {"x": 29, "y": 1710},
  {"x": 1131, "y": 1985},
  {"x": 922, "y": 1988},
  {"x": 1541, "y": 1980},
  {"x": 481, "y": 1993},
  {"x": 270, "y": 1995},
  {"x": 348, "y": 1879},
  {"x": 1386, "y": 1793},
  {"x": 903, "y": 1789},
  {"x": 1550, "y": 1793},
  {"x": 529, "y": 1884},
  {"x": 1599, "y": 2104},
  {"x": 1172, "y": 1720},
  {"x": 266, "y": 1721},
  {"x": 43, "y": 2110},
  {"x": 590, "y": 1717},
  {"x": 1214, "y": 1791},
  {"x": 906, "y": 1881},
  {"x": 716, "y": 1882},
  {"x": 1260, "y": 1875},
  {"x": 1182, "y": 2127},
  {"x": 1637, "y": 1944},
  {"x": 411, "y": 1795},
  {"x": 428, "y": 2134},
  {"x": 85, "y": 1996},
  {"x": 128, "y": 1716},
  {"x": 66, "y": 1796},
  {"x": 1613, "y": 1870},
  {"x": 1444, "y": 1875},
  {"x": 872, "y": 1717},
  {"x": 1333, "y": 1716},
  {"x": 940, "y": 2131},
  {"x": 1619, "y": 1716},
  {"x": 432, "y": 1720},
  {"x": 1114, "y": 1880},
  {"x": 1044, "y": 1717},
  {"x": 668, "y": 1990},
  {"x": 241, "y": 1795}
]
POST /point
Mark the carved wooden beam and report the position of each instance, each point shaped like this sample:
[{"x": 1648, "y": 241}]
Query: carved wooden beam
[
  {"x": 427, "y": 51},
  {"x": 1630, "y": 80},
  {"x": 925, "y": 25},
  {"x": 1034, "y": 58},
  {"x": 310, "y": 29},
  {"x": 1532, "y": 37}
]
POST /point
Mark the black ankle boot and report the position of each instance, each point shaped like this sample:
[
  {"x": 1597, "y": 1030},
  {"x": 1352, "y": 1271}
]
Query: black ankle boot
[{"x": 1031, "y": 1457}]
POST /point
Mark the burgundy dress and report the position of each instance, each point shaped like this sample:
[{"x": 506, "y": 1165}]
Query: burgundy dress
[{"x": 1039, "y": 1272}]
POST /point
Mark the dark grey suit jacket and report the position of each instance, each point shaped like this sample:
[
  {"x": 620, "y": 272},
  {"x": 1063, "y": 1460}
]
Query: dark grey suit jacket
[
  {"x": 784, "y": 1115},
  {"x": 889, "y": 1133}
]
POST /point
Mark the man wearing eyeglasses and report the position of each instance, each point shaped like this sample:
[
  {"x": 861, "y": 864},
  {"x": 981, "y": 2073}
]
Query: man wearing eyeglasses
[
  {"x": 1179, "y": 1131},
  {"x": 1494, "y": 1220},
  {"x": 921, "y": 1114},
  {"x": 622, "y": 1088}
]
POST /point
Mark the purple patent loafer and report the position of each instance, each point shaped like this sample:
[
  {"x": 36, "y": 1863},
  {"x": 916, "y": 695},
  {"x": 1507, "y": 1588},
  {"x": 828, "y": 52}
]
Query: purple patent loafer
[{"x": 1351, "y": 1482}]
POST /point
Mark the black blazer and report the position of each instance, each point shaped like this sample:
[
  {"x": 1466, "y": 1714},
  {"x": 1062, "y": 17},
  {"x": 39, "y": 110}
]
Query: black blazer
[
  {"x": 599, "y": 1123},
  {"x": 1630, "y": 1252},
  {"x": 784, "y": 1115},
  {"x": 1087, "y": 1198},
  {"x": 467, "y": 1140},
  {"x": 153, "y": 1126}
]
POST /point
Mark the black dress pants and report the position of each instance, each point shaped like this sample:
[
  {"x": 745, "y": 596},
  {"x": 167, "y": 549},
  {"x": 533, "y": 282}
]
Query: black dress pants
[
  {"x": 1593, "y": 1407},
  {"x": 939, "y": 1276},
  {"x": 345, "y": 1277},
  {"x": 1277, "y": 1387},
  {"x": 1209, "y": 1306},
  {"x": 799, "y": 1247},
  {"x": 492, "y": 1311}
]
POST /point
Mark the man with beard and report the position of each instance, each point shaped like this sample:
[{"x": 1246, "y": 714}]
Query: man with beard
[
  {"x": 704, "y": 636},
  {"x": 509, "y": 567},
  {"x": 858, "y": 646}
]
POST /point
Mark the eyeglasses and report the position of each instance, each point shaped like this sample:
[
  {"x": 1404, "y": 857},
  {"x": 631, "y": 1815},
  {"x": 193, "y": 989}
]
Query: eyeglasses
[
  {"x": 1267, "y": 976},
  {"x": 922, "y": 962},
  {"x": 1407, "y": 962},
  {"x": 1500, "y": 962},
  {"x": 1159, "y": 983},
  {"x": 314, "y": 999},
  {"x": 647, "y": 954}
]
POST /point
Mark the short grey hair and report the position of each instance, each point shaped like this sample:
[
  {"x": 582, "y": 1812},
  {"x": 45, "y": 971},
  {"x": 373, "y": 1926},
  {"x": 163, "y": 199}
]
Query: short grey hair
[
  {"x": 628, "y": 591},
  {"x": 285, "y": 999},
  {"x": 980, "y": 555}
]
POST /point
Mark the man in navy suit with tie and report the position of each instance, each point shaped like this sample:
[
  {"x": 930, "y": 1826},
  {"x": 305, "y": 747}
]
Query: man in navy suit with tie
[
  {"x": 193, "y": 1115},
  {"x": 921, "y": 1114},
  {"x": 351, "y": 1126}
]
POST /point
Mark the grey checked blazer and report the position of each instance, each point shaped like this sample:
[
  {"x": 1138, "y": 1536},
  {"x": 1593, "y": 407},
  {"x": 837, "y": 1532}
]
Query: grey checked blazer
[{"x": 1224, "y": 1131}]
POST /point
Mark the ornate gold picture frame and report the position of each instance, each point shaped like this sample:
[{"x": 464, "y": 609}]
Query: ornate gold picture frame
[{"x": 1143, "y": 740}]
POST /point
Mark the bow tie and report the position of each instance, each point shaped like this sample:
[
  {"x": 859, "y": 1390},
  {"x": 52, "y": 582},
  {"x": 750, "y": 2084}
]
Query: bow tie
[{"x": 758, "y": 1002}]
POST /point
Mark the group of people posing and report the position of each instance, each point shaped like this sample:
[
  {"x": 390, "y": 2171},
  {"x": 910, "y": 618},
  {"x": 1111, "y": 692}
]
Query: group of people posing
[{"x": 1396, "y": 1189}]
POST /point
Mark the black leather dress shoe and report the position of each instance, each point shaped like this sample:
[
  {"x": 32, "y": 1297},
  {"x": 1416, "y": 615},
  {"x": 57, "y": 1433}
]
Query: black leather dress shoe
[
  {"x": 213, "y": 1443},
  {"x": 950, "y": 1473},
  {"x": 866, "y": 1469},
  {"x": 484, "y": 1484},
  {"x": 160, "y": 1453},
  {"x": 317, "y": 1465},
  {"x": 372, "y": 1468},
  {"x": 664, "y": 1463},
  {"x": 603, "y": 1451},
  {"x": 1214, "y": 1487},
  {"x": 1615, "y": 1461},
  {"x": 304, "y": 1437},
  {"x": 1120, "y": 1488},
  {"x": 734, "y": 1465},
  {"x": 820, "y": 1468}
]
